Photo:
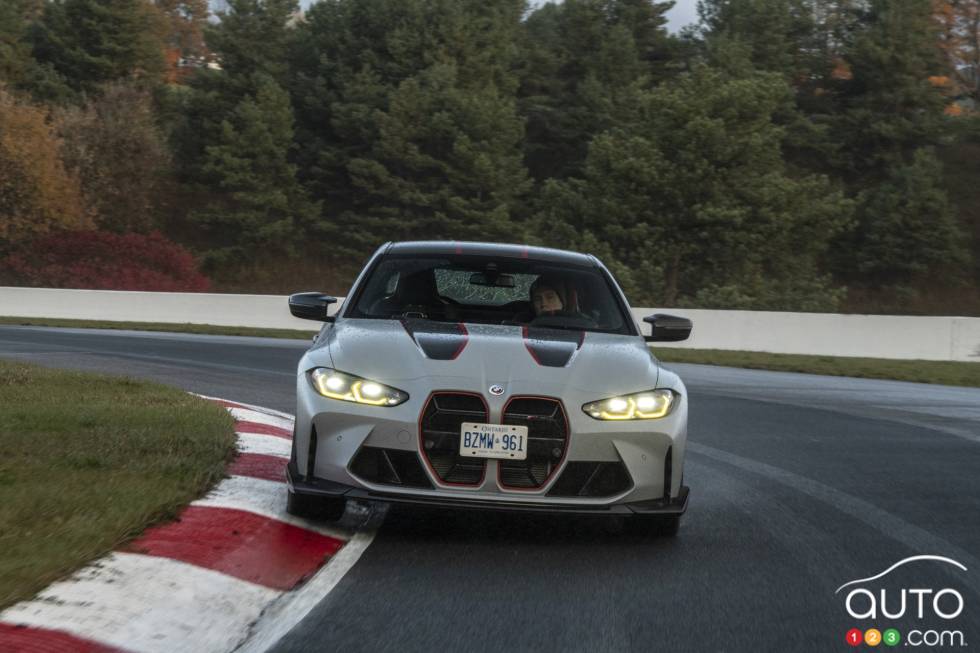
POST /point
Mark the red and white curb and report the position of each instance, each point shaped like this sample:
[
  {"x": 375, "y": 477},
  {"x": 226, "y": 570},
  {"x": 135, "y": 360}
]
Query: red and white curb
[{"x": 233, "y": 572}]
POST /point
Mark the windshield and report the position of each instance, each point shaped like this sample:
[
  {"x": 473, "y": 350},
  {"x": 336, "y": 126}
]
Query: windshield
[{"x": 491, "y": 291}]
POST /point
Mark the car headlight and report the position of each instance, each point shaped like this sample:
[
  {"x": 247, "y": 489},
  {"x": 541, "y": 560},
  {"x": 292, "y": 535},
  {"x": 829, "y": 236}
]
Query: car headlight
[
  {"x": 347, "y": 387},
  {"x": 651, "y": 404}
]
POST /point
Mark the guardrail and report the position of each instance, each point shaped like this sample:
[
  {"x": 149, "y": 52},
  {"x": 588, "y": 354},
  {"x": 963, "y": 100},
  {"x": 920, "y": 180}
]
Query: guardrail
[{"x": 874, "y": 336}]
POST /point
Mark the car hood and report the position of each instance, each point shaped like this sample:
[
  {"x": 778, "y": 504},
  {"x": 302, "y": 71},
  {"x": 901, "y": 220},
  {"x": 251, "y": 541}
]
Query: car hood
[{"x": 396, "y": 351}]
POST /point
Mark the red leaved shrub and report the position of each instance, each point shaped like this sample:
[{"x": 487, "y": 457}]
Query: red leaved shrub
[{"x": 100, "y": 260}]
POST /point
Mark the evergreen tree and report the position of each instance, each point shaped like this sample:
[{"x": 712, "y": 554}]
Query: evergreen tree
[
  {"x": 891, "y": 113},
  {"x": 905, "y": 227},
  {"x": 696, "y": 197},
  {"x": 446, "y": 163},
  {"x": 407, "y": 116},
  {"x": 251, "y": 41},
  {"x": 235, "y": 136},
  {"x": 801, "y": 40},
  {"x": 258, "y": 203},
  {"x": 779, "y": 33},
  {"x": 890, "y": 107},
  {"x": 867, "y": 103},
  {"x": 253, "y": 38},
  {"x": 89, "y": 42},
  {"x": 584, "y": 61},
  {"x": 15, "y": 51}
]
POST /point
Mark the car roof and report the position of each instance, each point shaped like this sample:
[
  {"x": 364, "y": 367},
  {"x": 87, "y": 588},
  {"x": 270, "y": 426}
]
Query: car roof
[{"x": 504, "y": 250}]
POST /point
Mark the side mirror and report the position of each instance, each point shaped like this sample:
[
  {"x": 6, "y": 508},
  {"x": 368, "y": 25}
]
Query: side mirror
[
  {"x": 311, "y": 306},
  {"x": 668, "y": 328}
]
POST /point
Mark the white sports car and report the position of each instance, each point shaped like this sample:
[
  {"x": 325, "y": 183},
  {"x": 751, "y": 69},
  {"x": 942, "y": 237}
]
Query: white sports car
[{"x": 478, "y": 375}]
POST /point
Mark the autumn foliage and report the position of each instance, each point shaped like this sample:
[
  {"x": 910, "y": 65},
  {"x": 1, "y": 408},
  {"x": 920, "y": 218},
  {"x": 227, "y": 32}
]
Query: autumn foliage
[
  {"x": 959, "y": 41},
  {"x": 101, "y": 260},
  {"x": 112, "y": 143},
  {"x": 37, "y": 192}
]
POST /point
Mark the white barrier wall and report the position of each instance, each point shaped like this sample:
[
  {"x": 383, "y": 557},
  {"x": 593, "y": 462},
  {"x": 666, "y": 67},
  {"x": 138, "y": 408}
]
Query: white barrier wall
[
  {"x": 874, "y": 336},
  {"x": 828, "y": 334},
  {"x": 263, "y": 311}
]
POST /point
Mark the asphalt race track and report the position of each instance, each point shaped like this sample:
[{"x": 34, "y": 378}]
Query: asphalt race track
[{"x": 799, "y": 484}]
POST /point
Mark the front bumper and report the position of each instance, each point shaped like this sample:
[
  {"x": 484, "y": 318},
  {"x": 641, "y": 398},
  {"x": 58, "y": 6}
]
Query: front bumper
[
  {"x": 677, "y": 505},
  {"x": 331, "y": 436}
]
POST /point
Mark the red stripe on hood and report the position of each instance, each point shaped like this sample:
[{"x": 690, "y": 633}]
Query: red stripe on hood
[
  {"x": 527, "y": 345},
  {"x": 462, "y": 345}
]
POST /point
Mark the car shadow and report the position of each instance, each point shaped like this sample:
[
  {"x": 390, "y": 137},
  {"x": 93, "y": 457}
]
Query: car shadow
[{"x": 488, "y": 526}]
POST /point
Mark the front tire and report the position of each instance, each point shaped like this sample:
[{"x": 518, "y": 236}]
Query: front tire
[{"x": 314, "y": 507}]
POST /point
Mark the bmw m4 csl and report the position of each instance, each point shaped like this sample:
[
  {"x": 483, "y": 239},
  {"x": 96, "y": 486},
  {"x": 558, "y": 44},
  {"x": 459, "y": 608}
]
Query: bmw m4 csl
[{"x": 477, "y": 375}]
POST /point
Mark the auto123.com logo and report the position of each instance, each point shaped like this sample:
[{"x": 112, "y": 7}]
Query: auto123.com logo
[{"x": 933, "y": 611}]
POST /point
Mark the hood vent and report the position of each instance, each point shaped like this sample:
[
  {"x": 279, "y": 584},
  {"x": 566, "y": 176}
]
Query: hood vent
[
  {"x": 552, "y": 347},
  {"x": 441, "y": 341}
]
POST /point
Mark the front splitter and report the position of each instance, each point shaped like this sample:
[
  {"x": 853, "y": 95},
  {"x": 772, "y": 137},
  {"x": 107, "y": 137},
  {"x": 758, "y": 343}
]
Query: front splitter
[{"x": 324, "y": 488}]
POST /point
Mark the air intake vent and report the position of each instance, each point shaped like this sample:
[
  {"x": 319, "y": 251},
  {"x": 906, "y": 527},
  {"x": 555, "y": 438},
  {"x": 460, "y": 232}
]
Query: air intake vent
[
  {"x": 588, "y": 479},
  {"x": 389, "y": 467}
]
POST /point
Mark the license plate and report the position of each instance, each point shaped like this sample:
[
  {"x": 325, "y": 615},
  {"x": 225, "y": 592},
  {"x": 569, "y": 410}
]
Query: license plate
[{"x": 493, "y": 441}]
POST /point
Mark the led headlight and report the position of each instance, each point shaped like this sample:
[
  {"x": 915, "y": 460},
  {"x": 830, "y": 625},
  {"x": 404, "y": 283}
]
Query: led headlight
[
  {"x": 639, "y": 405},
  {"x": 347, "y": 387}
]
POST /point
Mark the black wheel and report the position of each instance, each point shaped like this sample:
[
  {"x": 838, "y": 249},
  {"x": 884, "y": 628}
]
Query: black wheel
[
  {"x": 314, "y": 507},
  {"x": 666, "y": 526}
]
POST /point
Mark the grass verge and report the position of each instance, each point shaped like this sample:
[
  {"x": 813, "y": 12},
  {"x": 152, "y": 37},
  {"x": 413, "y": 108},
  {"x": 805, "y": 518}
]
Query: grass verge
[
  {"x": 89, "y": 461},
  {"x": 205, "y": 329},
  {"x": 939, "y": 372}
]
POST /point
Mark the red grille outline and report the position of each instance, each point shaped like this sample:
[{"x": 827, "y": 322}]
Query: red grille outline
[
  {"x": 425, "y": 457},
  {"x": 564, "y": 453}
]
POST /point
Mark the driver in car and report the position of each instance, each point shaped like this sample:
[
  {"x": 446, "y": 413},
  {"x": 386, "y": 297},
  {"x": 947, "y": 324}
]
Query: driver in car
[
  {"x": 545, "y": 299},
  {"x": 555, "y": 302}
]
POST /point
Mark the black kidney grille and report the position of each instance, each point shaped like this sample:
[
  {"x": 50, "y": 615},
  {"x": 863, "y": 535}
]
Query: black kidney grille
[
  {"x": 442, "y": 417},
  {"x": 591, "y": 479},
  {"x": 547, "y": 432}
]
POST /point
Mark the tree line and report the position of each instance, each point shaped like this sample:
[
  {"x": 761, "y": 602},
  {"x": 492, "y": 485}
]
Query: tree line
[{"x": 782, "y": 154}]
